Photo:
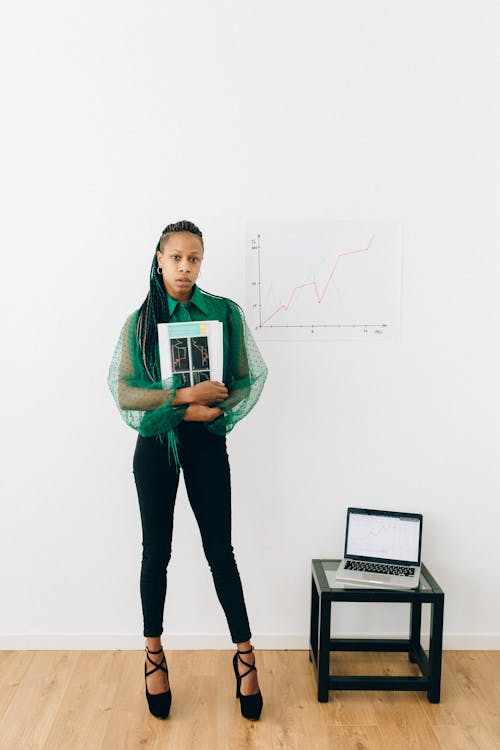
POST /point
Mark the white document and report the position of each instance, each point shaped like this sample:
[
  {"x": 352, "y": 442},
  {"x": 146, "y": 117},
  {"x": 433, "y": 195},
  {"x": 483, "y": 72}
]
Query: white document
[{"x": 192, "y": 349}]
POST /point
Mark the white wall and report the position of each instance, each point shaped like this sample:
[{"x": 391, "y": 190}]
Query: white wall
[{"x": 120, "y": 117}]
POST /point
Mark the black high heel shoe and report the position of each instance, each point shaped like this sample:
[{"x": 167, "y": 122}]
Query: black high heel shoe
[
  {"x": 251, "y": 705},
  {"x": 159, "y": 703}
]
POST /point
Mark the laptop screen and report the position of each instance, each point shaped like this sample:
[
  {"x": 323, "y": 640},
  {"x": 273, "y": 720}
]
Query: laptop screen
[{"x": 383, "y": 535}]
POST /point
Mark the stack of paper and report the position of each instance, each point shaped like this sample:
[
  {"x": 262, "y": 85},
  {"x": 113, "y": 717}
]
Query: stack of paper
[{"x": 193, "y": 350}]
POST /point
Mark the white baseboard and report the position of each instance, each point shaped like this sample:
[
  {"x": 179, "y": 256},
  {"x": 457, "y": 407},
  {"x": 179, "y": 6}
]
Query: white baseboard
[{"x": 196, "y": 641}]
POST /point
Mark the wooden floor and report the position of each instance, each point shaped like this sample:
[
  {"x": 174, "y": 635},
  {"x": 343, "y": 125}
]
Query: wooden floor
[{"x": 95, "y": 699}]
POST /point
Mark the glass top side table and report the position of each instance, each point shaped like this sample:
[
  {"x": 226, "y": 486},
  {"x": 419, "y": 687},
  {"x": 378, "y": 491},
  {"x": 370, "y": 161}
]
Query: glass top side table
[{"x": 325, "y": 591}]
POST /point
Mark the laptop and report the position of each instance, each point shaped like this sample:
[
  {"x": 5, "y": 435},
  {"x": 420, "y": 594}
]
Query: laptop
[{"x": 382, "y": 549}]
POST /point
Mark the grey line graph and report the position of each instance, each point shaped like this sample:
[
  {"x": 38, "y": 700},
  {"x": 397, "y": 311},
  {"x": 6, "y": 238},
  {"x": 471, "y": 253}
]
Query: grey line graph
[{"x": 380, "y": 536}]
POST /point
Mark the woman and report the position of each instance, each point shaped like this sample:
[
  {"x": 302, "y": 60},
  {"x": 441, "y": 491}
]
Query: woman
[{"x": 185, "y": 428}]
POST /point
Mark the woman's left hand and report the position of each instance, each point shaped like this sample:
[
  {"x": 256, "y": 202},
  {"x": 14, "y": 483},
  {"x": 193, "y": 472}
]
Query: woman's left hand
[{"x": 201, "y": 413}]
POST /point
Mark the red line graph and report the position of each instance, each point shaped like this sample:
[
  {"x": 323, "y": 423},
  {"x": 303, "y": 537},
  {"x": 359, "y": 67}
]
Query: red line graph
[
  {"x": 319, "y": 295},
  {"x": 203, "y": 352}
]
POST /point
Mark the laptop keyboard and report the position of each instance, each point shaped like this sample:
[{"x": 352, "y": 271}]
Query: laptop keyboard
[{"x": 395, "y": 570}]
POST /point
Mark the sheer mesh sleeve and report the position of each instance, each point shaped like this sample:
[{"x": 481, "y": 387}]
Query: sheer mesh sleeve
[
  {"x": 144, "y": 405},
  {"x": 247, "y": 373}
]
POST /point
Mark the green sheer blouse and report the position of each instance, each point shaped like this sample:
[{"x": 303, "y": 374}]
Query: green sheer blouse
[{"x": 145, "y": 405}]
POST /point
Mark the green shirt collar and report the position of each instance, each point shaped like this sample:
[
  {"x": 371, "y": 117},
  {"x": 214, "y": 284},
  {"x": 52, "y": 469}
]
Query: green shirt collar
[{"x": 197, "y": 299}]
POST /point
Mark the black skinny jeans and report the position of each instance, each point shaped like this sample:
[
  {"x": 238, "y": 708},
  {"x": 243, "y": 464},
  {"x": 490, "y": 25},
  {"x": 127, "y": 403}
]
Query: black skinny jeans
[{"x": 205, "y": 466}]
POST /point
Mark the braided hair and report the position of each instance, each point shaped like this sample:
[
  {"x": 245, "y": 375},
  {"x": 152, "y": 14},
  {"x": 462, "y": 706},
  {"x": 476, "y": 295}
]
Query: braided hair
[{"x": 154, "y": 309}]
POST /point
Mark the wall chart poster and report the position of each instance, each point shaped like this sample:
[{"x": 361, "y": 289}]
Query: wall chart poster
[{"x": 309, "y": 280}]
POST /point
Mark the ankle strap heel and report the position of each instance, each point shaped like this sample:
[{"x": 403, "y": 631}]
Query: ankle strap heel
[
  {"x": 159, "y": 703},
  {"x": 250, "y": 705}
]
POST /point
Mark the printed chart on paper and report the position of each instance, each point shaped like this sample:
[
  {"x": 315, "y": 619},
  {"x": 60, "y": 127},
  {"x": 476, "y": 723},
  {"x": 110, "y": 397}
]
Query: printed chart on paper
[{"x": 313, "y": 280}]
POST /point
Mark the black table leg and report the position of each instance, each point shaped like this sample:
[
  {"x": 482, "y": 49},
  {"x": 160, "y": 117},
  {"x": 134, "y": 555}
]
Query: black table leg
[
  {"x": 415, "y": 629},
  {"x": 323, "y": 660},
  {"x": 436, "y": 648},
  {"x": 313, "y": 631}
]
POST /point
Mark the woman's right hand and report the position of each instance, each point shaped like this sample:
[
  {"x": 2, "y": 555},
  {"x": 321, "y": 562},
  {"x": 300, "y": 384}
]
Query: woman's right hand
[
  {"x": 201, "y": 413},
  {"x": 208, "y": 392}
]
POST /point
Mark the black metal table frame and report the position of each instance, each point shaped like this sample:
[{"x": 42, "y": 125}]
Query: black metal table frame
[{"x": 321, "y": 644}]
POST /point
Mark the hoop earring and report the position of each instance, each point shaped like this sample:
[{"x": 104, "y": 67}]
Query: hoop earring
[{"x": 159, "y": 270}]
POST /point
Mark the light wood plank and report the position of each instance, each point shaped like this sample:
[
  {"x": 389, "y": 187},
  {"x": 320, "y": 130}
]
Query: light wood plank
[
  {"x": 38, "y": 697},
  {"x": 52, "y": 700},
  {"x": 14, "y": 666},
  {"x": 86, "y": 707},
  {"x": 355, "y": 738}
]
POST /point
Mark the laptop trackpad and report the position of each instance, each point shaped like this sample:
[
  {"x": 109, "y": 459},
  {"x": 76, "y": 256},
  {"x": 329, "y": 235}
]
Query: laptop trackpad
[{"x": 375, "y": 577}]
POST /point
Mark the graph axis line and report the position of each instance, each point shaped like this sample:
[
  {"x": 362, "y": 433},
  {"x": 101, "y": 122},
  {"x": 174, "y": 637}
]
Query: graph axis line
[{"x": 323, "y": 325}]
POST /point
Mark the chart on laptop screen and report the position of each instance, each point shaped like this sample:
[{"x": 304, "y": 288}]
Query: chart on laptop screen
[{"x": 383, "y": 536}]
